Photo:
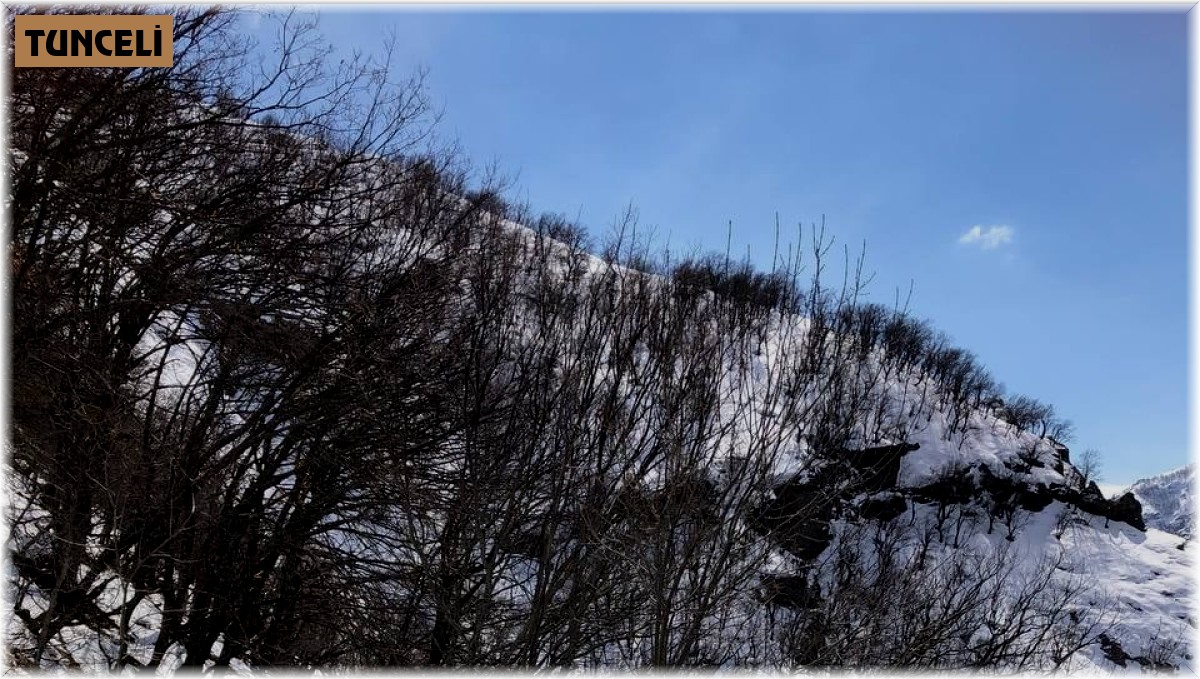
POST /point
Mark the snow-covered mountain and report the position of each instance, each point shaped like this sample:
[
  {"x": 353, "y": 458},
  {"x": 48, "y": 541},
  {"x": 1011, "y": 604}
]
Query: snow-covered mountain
[
  {"x": 921, "y": 480},
  {"x": 1167, "y": 500},
  {"x": 427, "y": 434}
]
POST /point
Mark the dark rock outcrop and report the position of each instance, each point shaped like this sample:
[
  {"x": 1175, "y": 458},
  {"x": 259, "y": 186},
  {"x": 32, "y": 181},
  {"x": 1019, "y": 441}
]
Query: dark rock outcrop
[
  {"x": 798, "y": 517},
  {"x": 954, "y": 489},
  {"x": 1006, "y": 491},
  {"x": 790, "y": 591},
  {"x": 1113, "y": 651},
  {"x": 1111, "y": 648},
  {"x": 1127, "y": 509},
  {"x": 883, "y": 507},
  {"x": 1035, "y": 498},
  {"x": 877, "y": 468}
]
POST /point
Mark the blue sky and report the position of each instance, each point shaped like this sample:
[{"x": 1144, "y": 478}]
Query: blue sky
[{"x": 1063, "y": 137}]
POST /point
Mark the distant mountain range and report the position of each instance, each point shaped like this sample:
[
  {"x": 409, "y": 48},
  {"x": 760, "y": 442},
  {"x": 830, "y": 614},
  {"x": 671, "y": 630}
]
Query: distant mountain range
[{"x": 1167, "y": 500}]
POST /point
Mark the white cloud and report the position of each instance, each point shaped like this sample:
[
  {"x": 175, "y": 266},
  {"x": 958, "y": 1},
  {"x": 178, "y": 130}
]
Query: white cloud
[{"x": 987, "y": 237}]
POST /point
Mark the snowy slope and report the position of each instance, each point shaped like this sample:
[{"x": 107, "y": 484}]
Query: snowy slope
[
  {"x": 987, "y": 488},
  {"x": 1138, "y": 584}
]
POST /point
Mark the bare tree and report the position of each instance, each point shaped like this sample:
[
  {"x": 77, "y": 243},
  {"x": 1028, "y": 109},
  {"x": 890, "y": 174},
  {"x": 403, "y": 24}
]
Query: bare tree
[
  {"x": 292, "y": 387},
  {"x": 879, "y": 607}
]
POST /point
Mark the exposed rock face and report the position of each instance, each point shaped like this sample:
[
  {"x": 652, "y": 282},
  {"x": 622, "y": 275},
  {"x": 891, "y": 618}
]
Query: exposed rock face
[
  {"x": 1125, "y": 509},
  {"x": 1128, "y": 509},
  {"x": 1113, "y": 651},
  {"x": 798, "y": 518},
  {"x": 883, "y": 507},
  {"x": 791, "y": 591},
  {"x": 799, "y": 515},
  {"x": 1118, "y": 656},
  {"x": 879, "y": 467},
  {"x": 1062, "y": 452},
  {"x": 1007, "y": 492}
]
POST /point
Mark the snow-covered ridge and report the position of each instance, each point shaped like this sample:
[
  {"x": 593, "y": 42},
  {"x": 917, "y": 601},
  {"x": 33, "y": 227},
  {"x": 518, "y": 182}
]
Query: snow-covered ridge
[
  {"x": 1139, "y": 581},
  {"x": 948, "y": 477}
]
